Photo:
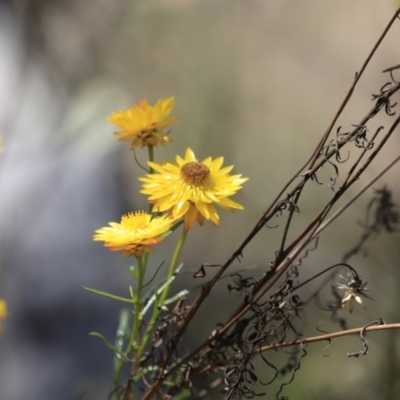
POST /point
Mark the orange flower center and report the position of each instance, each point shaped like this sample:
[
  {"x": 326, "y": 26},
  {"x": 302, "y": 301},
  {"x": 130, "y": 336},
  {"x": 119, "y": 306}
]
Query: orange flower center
[{"x": 195, "y": 173}]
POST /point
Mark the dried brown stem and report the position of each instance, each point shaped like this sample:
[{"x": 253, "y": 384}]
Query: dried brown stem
[
  {"x": 302, "y": 342},
  {"x": 356, "y": 196},
  {"x": 289, "y": 253}
]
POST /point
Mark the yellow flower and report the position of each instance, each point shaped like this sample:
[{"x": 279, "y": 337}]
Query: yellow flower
[
  {"x": 3, "y": 313},
  {"x": 144, "y": 124},
  {"x": 190, "y": 188},
  {"x": 136, "y": 232}
]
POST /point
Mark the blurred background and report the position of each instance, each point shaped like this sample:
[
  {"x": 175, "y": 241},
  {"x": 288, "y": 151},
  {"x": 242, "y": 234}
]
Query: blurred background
[{"x": 255, "y": 81}]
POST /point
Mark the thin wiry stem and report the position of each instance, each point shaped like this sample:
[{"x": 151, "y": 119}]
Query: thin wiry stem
[
  {"x": 338, "y": 113},
  {"x": 303, "y": 341},
  {"x": 288, "y": 254},
  {"x": 343, "y": 208}
]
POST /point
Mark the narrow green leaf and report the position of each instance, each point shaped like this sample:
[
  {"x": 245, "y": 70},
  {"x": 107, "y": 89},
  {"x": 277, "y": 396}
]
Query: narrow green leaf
[
  {"x": 133, "y": 296},
  {"x": 167, "y": 233},
  {"x": 160, "y": 289},
  {"x": 120, "y": 335},
  {"x": 177, "y": 296},
  {"x": 156, "y": 286},
  {"x": 134, "y": 272},
  {"x": 106, "y": 342},
  {"x": 105, "y": 294}
]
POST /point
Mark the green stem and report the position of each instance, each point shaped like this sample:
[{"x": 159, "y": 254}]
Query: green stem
[
  {"x": 164, "y": 294},
  {"x": 135, "y": 337},
  {"x": 134, "y": 340},
  {"x": 174, "y": 263},
  {"x": 150, "y": 148},
  {"x": 151, "y": 156},
  {"x": 119, "y": 360}
]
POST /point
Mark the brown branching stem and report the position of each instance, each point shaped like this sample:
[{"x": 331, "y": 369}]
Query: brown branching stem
[
  {"x": 356, "y": 196},
  {"x": 340, "y": 211},
  {"x": 288, "y": 253},
  {"x": 336, "y": 117},
  {"x": 304, "y": 341},
  {"x": 279, "y": 268}
]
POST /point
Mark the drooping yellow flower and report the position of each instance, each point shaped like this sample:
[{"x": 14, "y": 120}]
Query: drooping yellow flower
[
  {"x": 191, "y": 188},
  {"x": 135, "y": 234},
  {"x": 144, "y": 124},
  {"x": 3, "y": 313}
]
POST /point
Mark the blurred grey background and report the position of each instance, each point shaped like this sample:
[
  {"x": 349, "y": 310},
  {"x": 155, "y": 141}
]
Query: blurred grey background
[{"x": 255, "y": 81}]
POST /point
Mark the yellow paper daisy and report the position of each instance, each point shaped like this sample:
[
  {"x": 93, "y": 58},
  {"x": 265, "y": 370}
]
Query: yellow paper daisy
[
  {"x": 135, "y": 234},
  {"x": 3, "y": 313},
  {"x": 144, "y": 124},
  {"x": 190, "y": 188}
]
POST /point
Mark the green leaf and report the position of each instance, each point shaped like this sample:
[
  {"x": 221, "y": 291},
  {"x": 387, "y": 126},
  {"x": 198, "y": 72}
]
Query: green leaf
[
  {"x": 156, "y": 286},
  {"x": 109, "y": 295},
  {"x": 106, "y": 342},
  {"x": 133, "y": 296},
  {"x": 177, "y": 296},
  {"x": 122, "y": 331},
  {"x": 167, "y": 233},
  {"x": 134, "y": 272},
  {"x": 159, "y": 290}
]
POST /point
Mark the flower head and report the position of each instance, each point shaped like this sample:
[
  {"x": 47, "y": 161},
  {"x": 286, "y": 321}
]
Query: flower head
[
  {"x": 144, "y": 124},
  {"x": 191, "y": 188},
  {"x": 3, "y": 313},
  {"x": 135, "y": 234}
]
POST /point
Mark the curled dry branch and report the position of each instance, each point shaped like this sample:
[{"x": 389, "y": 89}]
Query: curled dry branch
[{"x": 199, "y": 361}]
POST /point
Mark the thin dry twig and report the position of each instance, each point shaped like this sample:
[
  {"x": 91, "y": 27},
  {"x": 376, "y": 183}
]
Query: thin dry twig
[{"x": 275, "y": 308}]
